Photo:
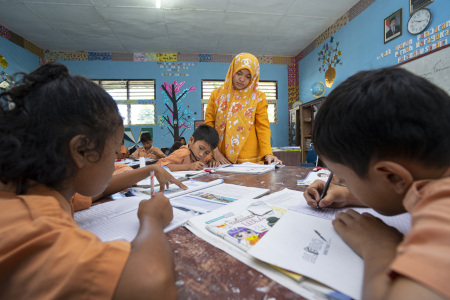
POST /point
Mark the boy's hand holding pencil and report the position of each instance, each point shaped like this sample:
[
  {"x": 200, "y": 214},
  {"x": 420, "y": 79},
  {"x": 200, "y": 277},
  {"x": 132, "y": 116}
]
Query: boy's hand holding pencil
[
  {"x": 336, "y": 196},
  {"x": 196, "y": 166}
]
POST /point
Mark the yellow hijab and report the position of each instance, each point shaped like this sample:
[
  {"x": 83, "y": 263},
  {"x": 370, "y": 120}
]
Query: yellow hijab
[{"x": 236, "y": 108}]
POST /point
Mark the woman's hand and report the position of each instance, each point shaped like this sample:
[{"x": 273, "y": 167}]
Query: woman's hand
[
  {"x": 213, "y": 163},
  {"x": 220, "y": 158},
  {"x": 271, "y": 158}
]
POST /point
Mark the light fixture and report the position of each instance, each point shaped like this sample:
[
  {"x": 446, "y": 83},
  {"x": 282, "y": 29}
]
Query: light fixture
[{"x": 158, "y": 3}]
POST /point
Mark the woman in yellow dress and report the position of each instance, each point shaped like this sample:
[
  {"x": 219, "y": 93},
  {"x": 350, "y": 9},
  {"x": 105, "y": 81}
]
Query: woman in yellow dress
[{"x": 238, "y": 111}]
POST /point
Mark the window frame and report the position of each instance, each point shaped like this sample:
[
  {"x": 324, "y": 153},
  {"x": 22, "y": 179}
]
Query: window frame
[{"x": 130, "y": 102}]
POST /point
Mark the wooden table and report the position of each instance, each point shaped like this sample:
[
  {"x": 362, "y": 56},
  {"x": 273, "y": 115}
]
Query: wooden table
[
  {"x": 289, "y": 158},
  {"x": 206, "y": 272}
]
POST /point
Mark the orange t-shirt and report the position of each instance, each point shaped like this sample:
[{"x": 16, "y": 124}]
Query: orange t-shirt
[
  {"x": 45, "y": 255},
  {"x": 80, "y": 202},
  {"x": 153, "y": 152},
  {"x": 180, "y": 157},
  {"x": 424, "y": 253}
]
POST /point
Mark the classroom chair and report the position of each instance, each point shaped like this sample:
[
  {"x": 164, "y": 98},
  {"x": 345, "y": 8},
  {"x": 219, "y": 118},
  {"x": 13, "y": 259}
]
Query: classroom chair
[{"x": 311, "y": 158}]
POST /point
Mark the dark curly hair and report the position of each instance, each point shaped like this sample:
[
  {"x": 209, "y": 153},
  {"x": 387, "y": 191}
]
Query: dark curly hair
[{"x": 38, "y": 119}]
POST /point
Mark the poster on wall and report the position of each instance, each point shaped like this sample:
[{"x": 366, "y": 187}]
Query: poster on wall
[
  {"x": 393, "y": 26},
  {"x": 415, "y": 5}
]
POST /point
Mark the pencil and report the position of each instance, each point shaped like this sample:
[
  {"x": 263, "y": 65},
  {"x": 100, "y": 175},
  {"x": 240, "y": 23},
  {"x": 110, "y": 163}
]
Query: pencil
[
  {"x": 325, "y": 189},
  {"x": 152, "y": 182}
]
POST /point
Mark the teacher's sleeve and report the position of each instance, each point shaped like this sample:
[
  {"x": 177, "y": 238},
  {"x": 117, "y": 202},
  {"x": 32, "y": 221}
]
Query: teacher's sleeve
[
  {"x": 210, "y": 115},
  {"x": 262, "y": 125}
]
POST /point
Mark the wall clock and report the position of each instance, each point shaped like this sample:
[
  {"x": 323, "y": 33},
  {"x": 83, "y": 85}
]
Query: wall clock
[{"x": 419, "y": 21}]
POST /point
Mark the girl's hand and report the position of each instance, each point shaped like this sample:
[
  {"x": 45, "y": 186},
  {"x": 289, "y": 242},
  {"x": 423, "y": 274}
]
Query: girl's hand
[
  {"x": 158, "y": 207},
  {"x": 165, "y": 178}
]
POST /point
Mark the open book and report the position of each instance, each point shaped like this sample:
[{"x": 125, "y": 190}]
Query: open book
[
  {"x": 302, "y": 241},
  {"x": 214, "y": 197},
  {"x": 317, "y": 251},
  {"x": 208, "y": 226},
  {"x": 247, "y": 168}
]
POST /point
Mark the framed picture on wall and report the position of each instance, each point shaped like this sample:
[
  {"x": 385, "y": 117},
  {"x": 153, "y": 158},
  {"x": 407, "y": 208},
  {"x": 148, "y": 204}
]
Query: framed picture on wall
[
  {"x": 417, "y": 4},
  {"x": 393, "y": 26}
]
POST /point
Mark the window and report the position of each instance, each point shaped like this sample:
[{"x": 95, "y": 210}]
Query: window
[
  {"x": 270, "y": 88},
  {"x": 135, "y": 99}
]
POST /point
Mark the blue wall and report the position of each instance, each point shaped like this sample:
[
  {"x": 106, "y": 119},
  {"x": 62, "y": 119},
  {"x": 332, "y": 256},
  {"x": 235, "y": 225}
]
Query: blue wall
[
  {"x": 196, "y": 71},
  {"x": 361, "y": 42},
  {"x": 19, "y": 59}
]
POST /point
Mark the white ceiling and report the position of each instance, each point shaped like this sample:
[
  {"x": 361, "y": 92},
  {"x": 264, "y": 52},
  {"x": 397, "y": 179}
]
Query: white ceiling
[{"x": 261, "y": 27}]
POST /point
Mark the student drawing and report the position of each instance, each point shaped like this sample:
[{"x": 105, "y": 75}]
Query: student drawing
[
  {"x": 238, "y": 111},
  {"x": 213, "y": 197},
  {"x": 392, "y": 152},
  {"x": 76, "y": 129},
  {"x": 246, "y": 236}
]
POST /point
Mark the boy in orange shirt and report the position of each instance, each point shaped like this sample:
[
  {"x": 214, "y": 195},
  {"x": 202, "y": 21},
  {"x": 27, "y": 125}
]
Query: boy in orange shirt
[
  {"x": 76, "y": 125},
  {"x": 148, "y": 150},
  {"x": 384, "y": 133},
  {"x": 196, "y": 154},
  {"x": 123, "y": 152}
]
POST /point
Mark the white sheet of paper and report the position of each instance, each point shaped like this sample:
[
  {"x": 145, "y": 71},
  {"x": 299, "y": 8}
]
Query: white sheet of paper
[
  {"x": 118, "y": 219},
  {"x": 310, "y": 246},
  {"x": 175, "y": 191},
  {"x": 401, "y": 222},
  {"x": 246, "y": 168}
]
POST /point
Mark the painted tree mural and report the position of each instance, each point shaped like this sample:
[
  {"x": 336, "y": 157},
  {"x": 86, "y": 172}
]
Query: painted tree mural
[{"x": 176, "y": 117}]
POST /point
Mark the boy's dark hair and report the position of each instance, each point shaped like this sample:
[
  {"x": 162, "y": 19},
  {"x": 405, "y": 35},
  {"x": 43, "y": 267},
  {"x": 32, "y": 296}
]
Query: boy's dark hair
[
  {"x": 146, "y": 136},
  {"x": 208, "y": 134},
  {"x": 46, "y": 111},
  {"x": 387, "y": 113}
]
